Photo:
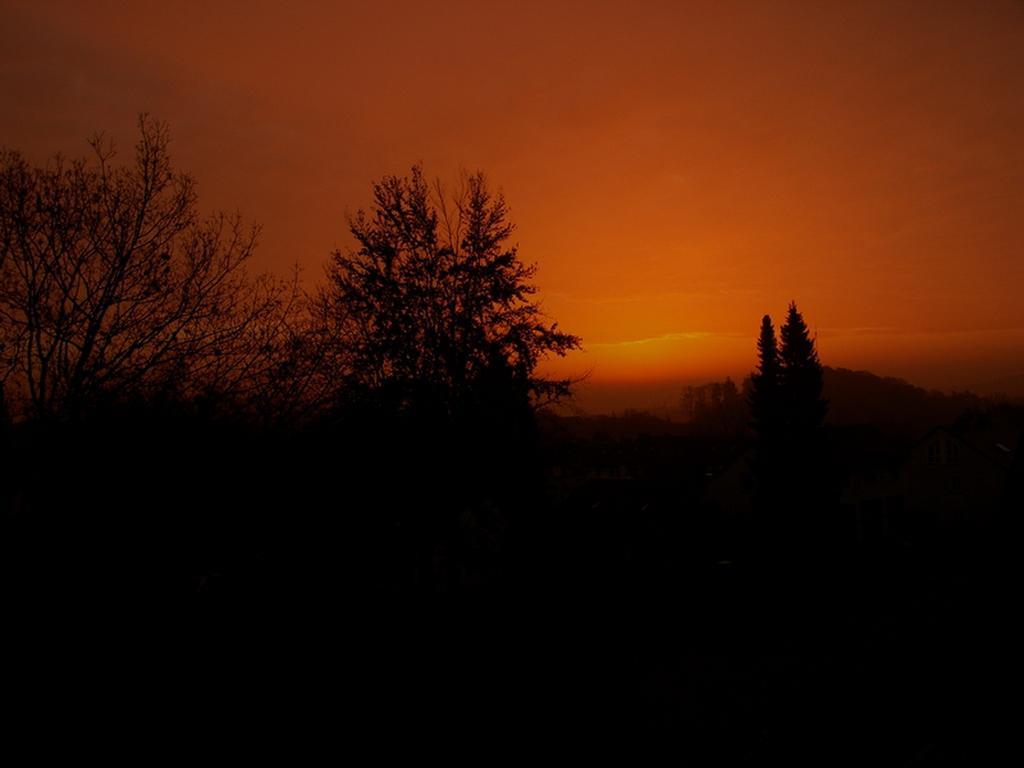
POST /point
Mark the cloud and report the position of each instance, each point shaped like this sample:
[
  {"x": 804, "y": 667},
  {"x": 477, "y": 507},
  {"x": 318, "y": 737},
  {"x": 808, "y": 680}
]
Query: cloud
[
  {"x": 712, "y": 291},
  {"x": 932, "y": 333},
  {"x": 666, "y": 337}
]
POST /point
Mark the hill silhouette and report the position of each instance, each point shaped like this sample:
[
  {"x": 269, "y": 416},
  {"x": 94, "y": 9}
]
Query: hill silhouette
[{"x": 893, "y": 405}]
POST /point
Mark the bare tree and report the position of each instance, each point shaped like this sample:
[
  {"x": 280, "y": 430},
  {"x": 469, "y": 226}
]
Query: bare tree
[
  {"x": 279, "y": 369},
  {"x": 112, "y": 284}
]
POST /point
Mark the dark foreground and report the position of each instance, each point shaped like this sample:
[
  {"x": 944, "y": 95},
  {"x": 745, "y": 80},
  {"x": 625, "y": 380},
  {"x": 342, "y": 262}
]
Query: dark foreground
[
  {"x": 577, "y": 629},
  {"x": 900, "y": 659}
]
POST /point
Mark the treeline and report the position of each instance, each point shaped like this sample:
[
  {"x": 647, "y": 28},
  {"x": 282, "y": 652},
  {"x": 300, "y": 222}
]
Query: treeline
[
  {"x": 169, "y": 412},
  {"x": 114, "y": 287}
]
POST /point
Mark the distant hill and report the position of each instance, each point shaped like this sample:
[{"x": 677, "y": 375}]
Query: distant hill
[
  {"x": 860, "y": 397},
  {"x": 1010, "y": 387},
  {"x": 856, "y": 398}
]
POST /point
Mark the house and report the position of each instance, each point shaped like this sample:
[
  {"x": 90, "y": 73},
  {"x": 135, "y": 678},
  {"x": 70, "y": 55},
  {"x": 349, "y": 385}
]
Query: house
[
  {"x": 958, "y": 476},
  {"x": 952, "y": 478}
]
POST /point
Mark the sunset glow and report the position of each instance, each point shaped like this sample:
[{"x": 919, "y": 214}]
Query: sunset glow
[
  {"x": 521, "y": 371},
  {"x": 676, "y": 170}
]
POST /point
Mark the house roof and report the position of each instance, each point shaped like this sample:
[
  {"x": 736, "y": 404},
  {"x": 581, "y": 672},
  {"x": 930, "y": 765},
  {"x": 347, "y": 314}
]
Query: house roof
[{"x": 996, "y": 441}]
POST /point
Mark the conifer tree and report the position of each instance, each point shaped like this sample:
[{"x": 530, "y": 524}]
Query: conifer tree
[
  {"x": 436, "y": 300},
  {"x": 790, "y": 464},
  {"x": 765, "y": 401},
  {"x": 765, "y": 394},
  {"x": 801, "y": 378}
]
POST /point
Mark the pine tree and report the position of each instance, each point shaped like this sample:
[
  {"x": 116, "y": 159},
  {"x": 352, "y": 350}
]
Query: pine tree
[
  {"x": 436, "y": 299},
  {"x": 805, "y": 467},
  {"x": 801, "y": 379},
  {"x": 765, "y": 401},
  {"x": 765, "y": 394},
  {"x": 790, "y": 463}
]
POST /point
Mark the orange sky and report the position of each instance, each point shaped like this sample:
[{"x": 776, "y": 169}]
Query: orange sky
[{"x": 676, "y": 169}]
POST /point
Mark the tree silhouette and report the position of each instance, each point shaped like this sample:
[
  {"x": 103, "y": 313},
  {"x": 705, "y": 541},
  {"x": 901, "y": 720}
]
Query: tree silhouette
[
  {"x": 803, "y": 406},
  {"x": 765, "y": 394},
  {"x": 434, "y": 301},
  {"x": 790, "y": 458},
  {"x": 112, "y": 285},
  {"x": 766, "y": 408},
  {"x": 434, "y": 339},
  {"x": 715, "y": 408}
]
